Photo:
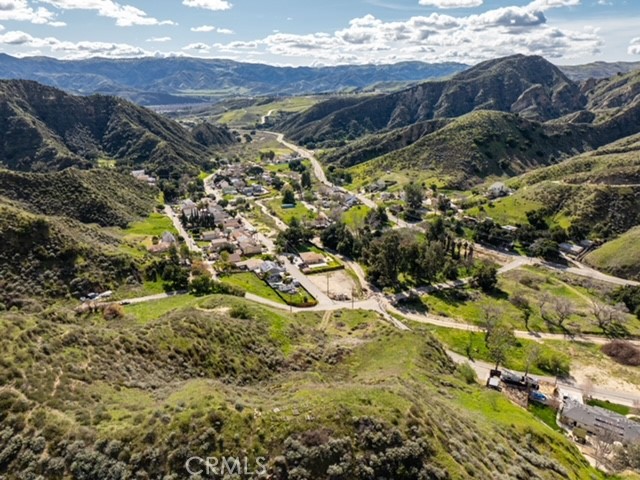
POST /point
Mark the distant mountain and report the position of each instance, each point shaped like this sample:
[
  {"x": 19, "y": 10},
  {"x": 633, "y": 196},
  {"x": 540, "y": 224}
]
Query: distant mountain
[
  {"x": 598, "y": 70},
  {"x": 529, "y": 86},
  {"x": 45, "y": 129},
  {"x": 157, "y": 81}
]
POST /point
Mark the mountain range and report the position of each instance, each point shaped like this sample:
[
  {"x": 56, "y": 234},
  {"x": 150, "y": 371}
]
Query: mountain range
[
  {"x": 180, "y": 80},
  {"x": 159, "y": 81},
  {"x": 501, "y": 117}
]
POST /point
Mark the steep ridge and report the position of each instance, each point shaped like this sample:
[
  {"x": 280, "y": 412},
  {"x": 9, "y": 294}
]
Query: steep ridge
[
  {"x": 529, "y": 86},
  {"x": 45, "y": 129}
]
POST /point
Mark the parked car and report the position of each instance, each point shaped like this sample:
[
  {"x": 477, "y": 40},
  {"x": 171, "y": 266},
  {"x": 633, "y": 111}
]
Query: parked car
[{"x": 538, "y": 397}]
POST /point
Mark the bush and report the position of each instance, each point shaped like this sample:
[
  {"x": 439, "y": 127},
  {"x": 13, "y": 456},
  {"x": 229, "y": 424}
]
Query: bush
[
  {"x": 554, "y": 363},
  {"x": 623, "y": 352},
  {"x": 467, "y": 373},
  {"x": 113, "y": 311}
]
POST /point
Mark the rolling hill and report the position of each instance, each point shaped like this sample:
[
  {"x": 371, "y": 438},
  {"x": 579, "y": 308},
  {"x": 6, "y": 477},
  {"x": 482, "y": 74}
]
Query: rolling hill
[
  {"x": 45, "y": 129},
  {"x": 222, "y": 377}
]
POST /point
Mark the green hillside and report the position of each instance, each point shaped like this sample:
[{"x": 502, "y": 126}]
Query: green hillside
[
  {"x": 471, "y": 148},
  {"x": 84, "y": 398},
  {"x": 619, "y": 257},
  {"x": 45, "y": 129},
  {"x": 97, "y": 196},
  {"x": 44, "y": 256}
]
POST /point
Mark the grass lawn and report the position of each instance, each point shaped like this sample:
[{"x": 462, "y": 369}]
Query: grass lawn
[
  {"x": 546, "y": 414},
  {"x": 148, "y": 311},
  {"x": 154, "y": 225},
  {"x": 613, "y": 407},
  {"x": 252, "y": 284},
  {"x": 354, "y": 217},
  {"x": 508, "y": 210},
  {"x": 286, "y": 214}
]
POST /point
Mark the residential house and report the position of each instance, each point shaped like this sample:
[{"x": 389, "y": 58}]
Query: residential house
[
  {"x": 189, "y": 208},
  {"x": 312, "y": 258},
  {"x": 211, "y": 235},
  {"x": 571, "y": 248},
  {"x": 598, "y": 421},
  {"x": 168, "y": 237},
  {"x": 232, "y": 223},
  {"x": 219, "y": 244},
  {"x": 235, "y": 258},
  {"x": 269, "y": 268},
  {"x": 250, "y": 248}
]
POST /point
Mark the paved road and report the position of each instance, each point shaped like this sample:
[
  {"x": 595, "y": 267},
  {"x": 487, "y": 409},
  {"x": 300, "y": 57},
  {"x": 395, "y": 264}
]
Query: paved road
[
  {"x": 191, "y": 244},
  {"x": 482, "y": 369}
]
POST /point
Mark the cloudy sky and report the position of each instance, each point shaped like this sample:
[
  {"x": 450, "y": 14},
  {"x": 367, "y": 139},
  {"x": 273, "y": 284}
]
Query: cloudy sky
[{"x": 315, "y": 32}]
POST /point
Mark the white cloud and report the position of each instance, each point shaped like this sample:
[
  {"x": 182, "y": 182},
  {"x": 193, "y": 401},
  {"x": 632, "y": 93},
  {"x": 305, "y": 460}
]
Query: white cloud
[
  {"x": 125, "y": 15},
  {"x": 451, "y": 3},
  {"x": 435, "y": 37},
  {"x": 201, "y": 47},
  {"x": 74, "y": 50},
  {"x": 210, "y": 28},
  {"x": 57, "y": 24},
  {"x": 203, "y": 28},
  {"x": 159, "y": 39},
  {"x": 208, "y": 4},
  {"x": 20, "y": 11},
  {"x": 634, "y": 46}
]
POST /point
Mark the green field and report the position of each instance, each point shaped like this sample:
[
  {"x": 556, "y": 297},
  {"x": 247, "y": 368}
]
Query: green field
[
  {"x": 252, "y": 284},
  {"x": 354, "y": 217},
  {"x": 532, "y": 283},
  {"x": 155, "y": 225},
  {"x": 286, "y": 214},
  {"x": 253, "y": 114},
  {"x": 613, "y": 407},
  {"x": 546, "y": 414},
  {"x": 148, "y": 311}
]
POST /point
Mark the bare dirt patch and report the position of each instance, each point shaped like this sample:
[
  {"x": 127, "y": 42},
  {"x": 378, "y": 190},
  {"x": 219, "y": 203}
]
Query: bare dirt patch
[{"x": 340, "y": 283}]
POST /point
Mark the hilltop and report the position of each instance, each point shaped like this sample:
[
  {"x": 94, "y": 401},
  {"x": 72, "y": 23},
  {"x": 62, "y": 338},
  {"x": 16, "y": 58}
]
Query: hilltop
[
  {"x": 45, "y": 129},
  {"x": 529, "y": 86},
  {"x": 222, "y": 377}
]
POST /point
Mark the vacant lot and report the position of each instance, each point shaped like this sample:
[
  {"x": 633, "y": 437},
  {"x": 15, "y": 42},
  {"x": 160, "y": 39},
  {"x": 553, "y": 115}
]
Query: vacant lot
[{"x": 339, "y": 282}]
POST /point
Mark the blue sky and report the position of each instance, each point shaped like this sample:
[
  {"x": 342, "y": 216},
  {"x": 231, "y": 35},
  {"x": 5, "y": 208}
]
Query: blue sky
[{"x": 305, "y": 32}]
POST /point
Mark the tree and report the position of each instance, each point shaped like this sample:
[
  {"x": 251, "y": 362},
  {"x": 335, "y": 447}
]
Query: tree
[
  {"x": 545, "y": 248},
  {"x": 533, "y": 355},
  {"x": 413, "y": 196},
  {"x": 603, "y": 444},
  {"x": 606, "y": 316},
  {"x": 293, "y": 237},
  {"x": 521, "y": 302},
  {"x": 498, "y": 343},
  {"x": 305, "y": 179},
  {"x": 200, "y": 285},
  {"x": 431, "y": 261},
  {"x": 563, "y": 310},
  {"x": 485, "y": 276},
  {"x": 490, "y": 318},
  {"x": 288, "y": 197}
]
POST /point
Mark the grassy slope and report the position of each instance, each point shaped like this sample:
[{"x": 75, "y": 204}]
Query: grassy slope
[
  {"x": 620, "y": 257},
  {"x": 198, "y": 382}
]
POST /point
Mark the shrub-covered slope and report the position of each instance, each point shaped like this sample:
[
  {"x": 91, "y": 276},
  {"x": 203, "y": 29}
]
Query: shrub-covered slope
[
  {"x": 87, "y": 399},
  {"x": 45, "y": 129},
  {"x": 529, "y": 86},
  {"x": 97, "y": 196},
  {"x": 45, "y": 256}
]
